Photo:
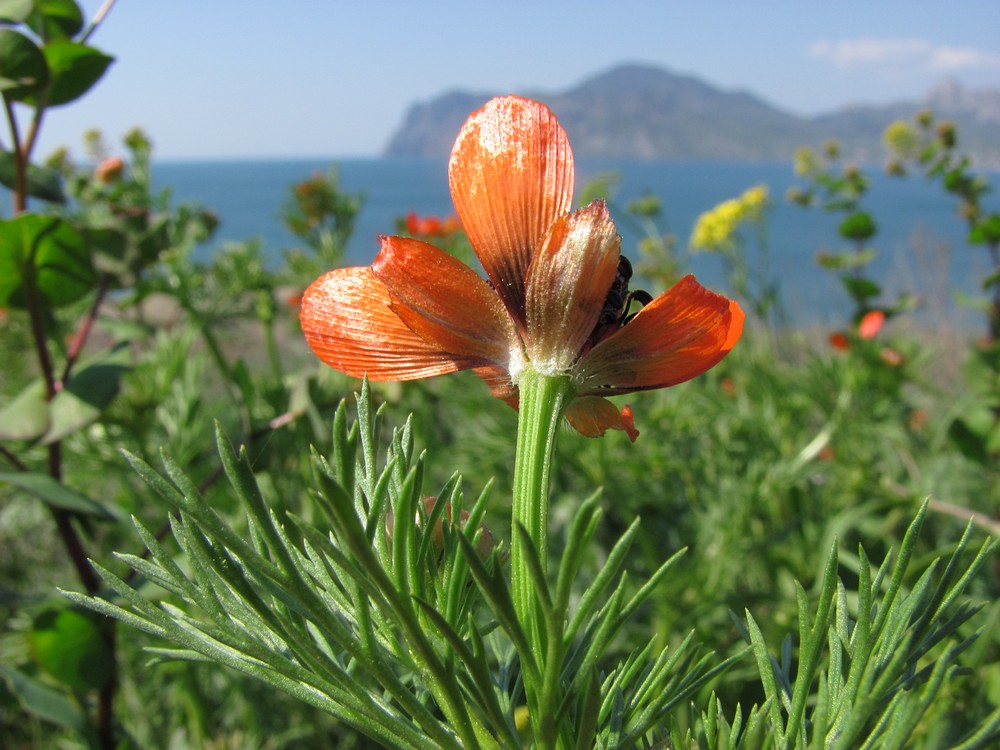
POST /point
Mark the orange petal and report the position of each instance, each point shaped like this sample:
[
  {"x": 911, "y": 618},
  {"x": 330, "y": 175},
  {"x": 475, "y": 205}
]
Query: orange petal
[
  {"x": 511, "y": 175},
  {"x": 679, "y": 335},
  {"x": 444, "y": 301},
  {"x": 568, "y": 281},
  {"x": 347, "y": 322},
  {"x": 498, "y": 381},
  {"x": 592, "y": 416}
]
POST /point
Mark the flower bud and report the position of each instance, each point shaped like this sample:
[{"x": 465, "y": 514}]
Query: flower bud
[{"x": 110, "y": 170}]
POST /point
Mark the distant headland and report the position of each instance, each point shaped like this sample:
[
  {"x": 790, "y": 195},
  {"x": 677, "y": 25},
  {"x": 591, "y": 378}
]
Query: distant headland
[{"x": 646, "y": 112}]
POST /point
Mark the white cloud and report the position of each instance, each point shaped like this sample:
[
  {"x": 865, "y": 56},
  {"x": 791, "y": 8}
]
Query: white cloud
[
  {"x": 847, "y": 53},
  {"x": 886, "y": 52},
  {"x": 950, "y": 59}
]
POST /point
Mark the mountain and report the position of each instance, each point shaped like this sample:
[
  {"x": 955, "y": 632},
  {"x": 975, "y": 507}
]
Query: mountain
[{"x": 646, "y": 112}]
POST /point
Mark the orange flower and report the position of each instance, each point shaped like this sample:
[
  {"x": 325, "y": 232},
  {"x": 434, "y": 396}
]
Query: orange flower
[
  {"x": 555, "y": 298},
  {"x": 839, "y": 341},
  {"x": 871, "y": 324},
  {"x": 430, "y": 226}
]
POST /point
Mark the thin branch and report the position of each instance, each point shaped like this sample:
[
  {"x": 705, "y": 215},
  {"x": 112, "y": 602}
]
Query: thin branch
[
  {"x": 34, "y": 128},
  {"x": 38, "y": 332},
  {"x": 14, "y": 460},
  {"x": 97, "y": 20},
  {"x": 83, "y": 332},
  {"x": 20, "y": 194},
  {"x": 980, "y": 519}
]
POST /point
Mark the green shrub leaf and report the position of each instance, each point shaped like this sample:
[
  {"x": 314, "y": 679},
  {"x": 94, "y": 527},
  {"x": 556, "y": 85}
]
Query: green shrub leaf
[
  {"x": 74, "y": 69},
  {"x": 56, "y": 494},
  {"x": 23, "y": 68},
  {"x": 858, "y": 226},
  {"x": 861, "y": 289},
  {"x": 986, "y": 231},
  {"x": 26, "y": 417},
  {"x": 87, "y": 394},
  {"x": 43, "y": 183},
  {"x": 15, "y": 11},
  {"x": 45, "y": 255},
  {"x": 68, "y": 644},
  {"x": 55, "y": 19},
  {"x": 46, "y": 703}
]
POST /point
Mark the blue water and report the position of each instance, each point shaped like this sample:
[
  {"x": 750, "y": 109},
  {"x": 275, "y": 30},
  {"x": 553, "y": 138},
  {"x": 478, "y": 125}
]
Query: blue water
[{"x": 911, "y": 213}]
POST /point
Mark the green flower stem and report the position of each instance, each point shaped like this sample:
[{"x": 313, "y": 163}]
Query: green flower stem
[{"x": 542, "y": 401}]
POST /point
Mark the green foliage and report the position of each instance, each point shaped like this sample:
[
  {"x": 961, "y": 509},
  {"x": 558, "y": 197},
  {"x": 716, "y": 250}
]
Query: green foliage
[
  {"x": 322, "y": 215},
  {"x": 318, "y": 609},
  {"x": 878, "y": 684},
  {"x": 57, "y": 71},
  {"x": 87, "y": 291},
  {"x": 933, "y": 147},
  {"x": 841, "y": 190}
]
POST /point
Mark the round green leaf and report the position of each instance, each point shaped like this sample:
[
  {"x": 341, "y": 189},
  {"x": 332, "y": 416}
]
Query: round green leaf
[
  {"x": 858, "y": 226},
  {"x": 74, "y": 68},
  {"x": 986, "y": 231},
  {"x": 68, "y": 644},
  {"x": 861, "y": 288},
  {"x": 44, "y": 254},
  {"x": 56, "y": 19},
  {"x": 23, "y": 69}
]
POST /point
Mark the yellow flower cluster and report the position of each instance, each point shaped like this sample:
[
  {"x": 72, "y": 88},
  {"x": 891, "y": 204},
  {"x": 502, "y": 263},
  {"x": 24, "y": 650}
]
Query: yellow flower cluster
[
  {"x": 902, "y": 140},
  {"x": 716, "y": 229}
]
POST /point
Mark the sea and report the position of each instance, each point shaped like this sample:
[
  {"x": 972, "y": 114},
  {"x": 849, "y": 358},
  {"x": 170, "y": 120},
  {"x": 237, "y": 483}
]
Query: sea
[{"x": 921, "y": 243}]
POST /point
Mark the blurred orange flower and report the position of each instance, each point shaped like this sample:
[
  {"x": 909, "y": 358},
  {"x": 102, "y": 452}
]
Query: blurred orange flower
[
  {"x": 892, "y": 358},
  {"x": 430, "y": 226},
  {"x": 554, "y": 303},
  {"x": 871, "y": 324},
  {"x": 839, "y": 341},
  {"x": 110, "y": 170}
]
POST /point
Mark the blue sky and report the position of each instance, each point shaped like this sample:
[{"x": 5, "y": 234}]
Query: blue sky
[{"x": 235, "y": 78}]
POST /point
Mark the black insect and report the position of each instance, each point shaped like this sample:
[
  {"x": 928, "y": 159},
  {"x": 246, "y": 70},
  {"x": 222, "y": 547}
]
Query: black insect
[{"x": 616, "y": 305}]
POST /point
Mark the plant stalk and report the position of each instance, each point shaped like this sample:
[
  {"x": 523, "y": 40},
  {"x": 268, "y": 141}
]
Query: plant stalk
[{"x": 542, "y": 401}]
